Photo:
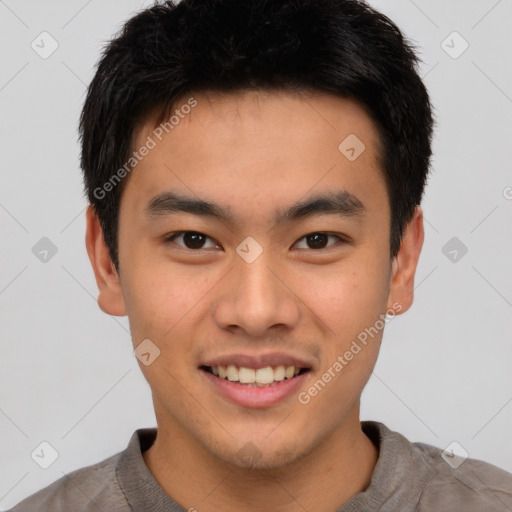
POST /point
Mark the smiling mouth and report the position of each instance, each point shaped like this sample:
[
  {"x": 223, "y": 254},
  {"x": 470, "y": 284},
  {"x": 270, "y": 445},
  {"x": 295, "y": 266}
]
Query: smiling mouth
[{"x": 255, "y": 377}]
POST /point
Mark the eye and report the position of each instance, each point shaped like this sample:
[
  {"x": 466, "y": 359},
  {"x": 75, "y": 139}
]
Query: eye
[
  {"x": 192, "y": 240},
  {"x": 317, "y": 241}
]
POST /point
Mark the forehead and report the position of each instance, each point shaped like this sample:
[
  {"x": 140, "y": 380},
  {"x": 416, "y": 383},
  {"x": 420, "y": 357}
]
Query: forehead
[
  {"x": 258, "y": 146},
  {"x": 236, "y": 113}
]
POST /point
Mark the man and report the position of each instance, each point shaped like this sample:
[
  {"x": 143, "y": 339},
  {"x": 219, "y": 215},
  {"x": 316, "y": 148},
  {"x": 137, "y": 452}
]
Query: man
[{"x": 255, "y": 171}]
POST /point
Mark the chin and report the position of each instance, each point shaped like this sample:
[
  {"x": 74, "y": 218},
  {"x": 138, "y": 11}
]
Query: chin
[{"x": 254, "y": 454}]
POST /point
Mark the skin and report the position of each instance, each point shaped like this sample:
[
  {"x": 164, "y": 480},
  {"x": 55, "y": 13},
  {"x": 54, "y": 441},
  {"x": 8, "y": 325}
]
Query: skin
[{"x": 255, "y": 153}]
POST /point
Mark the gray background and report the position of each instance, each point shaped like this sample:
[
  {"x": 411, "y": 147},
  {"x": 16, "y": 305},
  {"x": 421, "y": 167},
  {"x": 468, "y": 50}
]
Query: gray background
[{"x": 67, "y": 370}]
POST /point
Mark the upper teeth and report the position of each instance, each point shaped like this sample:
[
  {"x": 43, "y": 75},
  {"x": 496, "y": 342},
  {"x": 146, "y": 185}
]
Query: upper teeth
[{"x": 265, "y": 375}]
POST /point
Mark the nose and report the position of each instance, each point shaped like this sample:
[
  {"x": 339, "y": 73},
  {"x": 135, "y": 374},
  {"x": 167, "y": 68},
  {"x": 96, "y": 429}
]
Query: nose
[{"x": 256, "y": 298}]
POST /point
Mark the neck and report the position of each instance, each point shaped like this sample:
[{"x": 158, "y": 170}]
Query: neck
[{"x": 321, "y": 481}]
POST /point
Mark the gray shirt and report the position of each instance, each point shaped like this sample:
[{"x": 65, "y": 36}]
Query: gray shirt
[{"x": 407, "y": 477}]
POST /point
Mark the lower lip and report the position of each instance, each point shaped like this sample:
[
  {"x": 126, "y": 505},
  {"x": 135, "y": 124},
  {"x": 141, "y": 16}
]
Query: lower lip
[{"x": 254, "y": 396}]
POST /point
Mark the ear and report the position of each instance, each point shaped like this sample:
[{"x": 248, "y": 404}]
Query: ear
[
  {"x": 405, "y": 262},
  {"x": 110, "y": 298}
]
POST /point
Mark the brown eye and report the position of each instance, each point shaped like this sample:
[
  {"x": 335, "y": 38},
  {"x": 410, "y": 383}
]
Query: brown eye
[
  {"x": 318, "y": 241},
  {"x": 192, "y": 240}
]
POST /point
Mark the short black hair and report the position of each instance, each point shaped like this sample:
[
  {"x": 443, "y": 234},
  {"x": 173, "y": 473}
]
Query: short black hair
[{"x": 343, "y": 47}]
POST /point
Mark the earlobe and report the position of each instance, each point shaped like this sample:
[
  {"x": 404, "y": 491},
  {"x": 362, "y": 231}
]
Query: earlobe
[
  {"x": 110, "y": 297},
  {"x": 405, "y": 263}
]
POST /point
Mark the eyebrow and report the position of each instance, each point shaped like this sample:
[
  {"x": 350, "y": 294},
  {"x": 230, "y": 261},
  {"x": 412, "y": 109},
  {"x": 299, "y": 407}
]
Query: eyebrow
[{"x": 341, "y": 203}]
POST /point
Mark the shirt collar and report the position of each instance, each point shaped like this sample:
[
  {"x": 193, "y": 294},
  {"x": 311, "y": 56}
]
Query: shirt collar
[
  {"x": 387, "y": 485},
  {"x": 140, "y": 488}
]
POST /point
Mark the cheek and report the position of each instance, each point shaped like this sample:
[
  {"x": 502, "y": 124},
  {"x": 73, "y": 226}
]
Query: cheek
[
  {"x": 162, "y": 298},
  {"x": 348, "y": 297},
  {"x": 349, "y": 303}
]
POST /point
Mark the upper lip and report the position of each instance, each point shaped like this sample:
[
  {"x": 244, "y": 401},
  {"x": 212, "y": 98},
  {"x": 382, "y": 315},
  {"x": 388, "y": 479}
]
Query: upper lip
[{"x": 258, "y": 360}]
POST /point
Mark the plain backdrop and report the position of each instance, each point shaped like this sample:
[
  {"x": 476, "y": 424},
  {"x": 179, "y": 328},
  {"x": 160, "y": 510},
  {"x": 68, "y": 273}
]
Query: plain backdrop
[{"x": 68, "y": 375}]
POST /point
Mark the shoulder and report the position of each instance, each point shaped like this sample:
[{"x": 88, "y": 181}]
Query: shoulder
[
  {"x": 455, "y": 483},
  {"x": 91, "y": 488},
  {"x": 418, "y": 477}
]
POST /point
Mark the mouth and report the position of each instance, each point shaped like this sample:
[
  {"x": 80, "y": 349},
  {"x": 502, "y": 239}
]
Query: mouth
[
  {"x": 258, "y": 387},
  {"x": 256, "y": 380},
  {"x": 267, "y": 376}
]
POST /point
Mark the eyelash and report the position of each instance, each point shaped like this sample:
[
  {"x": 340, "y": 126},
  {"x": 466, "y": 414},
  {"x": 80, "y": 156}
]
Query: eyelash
[{"x": 172, "y": 237}]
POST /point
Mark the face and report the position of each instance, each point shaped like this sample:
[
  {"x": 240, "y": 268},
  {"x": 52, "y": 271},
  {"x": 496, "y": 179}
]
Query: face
[{"x": 248, "y": 237}]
